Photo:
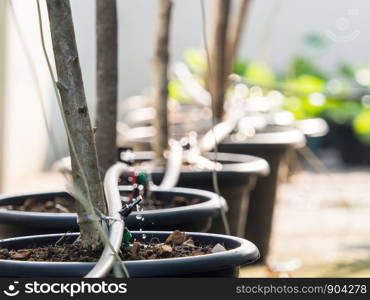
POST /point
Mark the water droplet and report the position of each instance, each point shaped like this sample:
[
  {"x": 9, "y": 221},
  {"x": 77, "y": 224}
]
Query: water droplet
[{"x": 144, "y": 236}]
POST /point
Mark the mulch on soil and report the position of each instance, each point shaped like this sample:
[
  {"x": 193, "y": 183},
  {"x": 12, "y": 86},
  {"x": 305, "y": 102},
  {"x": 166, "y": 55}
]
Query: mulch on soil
[
  {"x": 177, "y": 244},
  {"x": 55, "y": 205}
]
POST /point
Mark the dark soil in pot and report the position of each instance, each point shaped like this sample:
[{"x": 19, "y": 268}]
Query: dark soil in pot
[
  {"x": 201, "y": 207},
  {"x": 177, "y": 244},
  {"x": 236, "y": 179},
  {"x": 272, "y": 145},
  {"x": 179, "y": 255}
]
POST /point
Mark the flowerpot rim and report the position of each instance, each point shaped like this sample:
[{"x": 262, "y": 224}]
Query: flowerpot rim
[
  {"x": 240, "y": 163},
  {"x": 288, "y": 137},
  {"x": 243, "y": 253},
  {"x": 313, "y": 127},
  {"x": 209, "y": 207}
]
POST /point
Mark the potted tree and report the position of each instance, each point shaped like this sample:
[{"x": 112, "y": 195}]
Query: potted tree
[
  {"x": 18, "y": 254},
  {"x": 55, "y": 212}
]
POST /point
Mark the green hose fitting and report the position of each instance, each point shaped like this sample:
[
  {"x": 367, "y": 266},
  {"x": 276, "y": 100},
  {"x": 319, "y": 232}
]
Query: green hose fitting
[
  {"x": 142, "y": 178},
  {"x": 127, "y": 237}
]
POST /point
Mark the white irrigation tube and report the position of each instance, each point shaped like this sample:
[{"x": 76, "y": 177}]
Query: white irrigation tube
[
  {"x": 203, "y": 163},
  {"x": 173, "y": 166},
  {"x": 191, "y": 85},
  {"x": 63, "y": 165},
  {"x": 172, "y": 172},
  {"x": 107, "y": 259},
  {"x": 140, "y": 115},
  {"x": 114, "y": 205},
  {"x": 218, "y": 133}
]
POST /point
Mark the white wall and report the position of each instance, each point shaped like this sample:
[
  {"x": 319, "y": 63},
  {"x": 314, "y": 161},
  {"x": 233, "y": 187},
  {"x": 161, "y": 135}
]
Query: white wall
[
  {"x": 336, "y": 20},
  {"x": 283, "y": 22},
  {"x": 24, "y": 142},
  {"x": 285, "y": 29}
]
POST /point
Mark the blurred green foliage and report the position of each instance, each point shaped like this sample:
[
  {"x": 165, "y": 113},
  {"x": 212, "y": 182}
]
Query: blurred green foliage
[
  {"x": 301, "y": 66},
  {"x": 196, "y": 60},
  {"x": 309, "y": 91},
  {"x": 259, "y": 74},
  {"x": 361, "y": 126},
  {"x": 176, "y": 91}
]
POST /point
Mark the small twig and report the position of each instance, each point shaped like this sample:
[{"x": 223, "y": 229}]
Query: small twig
[{"x": 61, "y": 238}]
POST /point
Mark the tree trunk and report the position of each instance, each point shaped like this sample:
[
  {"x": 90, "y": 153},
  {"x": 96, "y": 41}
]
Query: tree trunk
[
  {"x": 107, "y": 85},
  {"x": 217, "y": 69},
  {"x": 75, "y": 111},
  {"x": 235, "y": 33},
  {"x": 161, "y": 79}
]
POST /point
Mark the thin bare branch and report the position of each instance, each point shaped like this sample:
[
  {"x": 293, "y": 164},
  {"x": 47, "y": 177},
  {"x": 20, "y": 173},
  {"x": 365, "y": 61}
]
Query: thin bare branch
[
  {"x": 161, "y": 78},
  {"x": 107, "y": 83}
]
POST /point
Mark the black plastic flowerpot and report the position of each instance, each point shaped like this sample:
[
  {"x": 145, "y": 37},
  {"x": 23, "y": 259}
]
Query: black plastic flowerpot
[
  {"x": 193, "y": 217},
  {"x": 235, "y": 180},
  {"x": 343, "y": 139},
  {"x": 271, "y": 145},
  {"x": 222, "y": 264}
]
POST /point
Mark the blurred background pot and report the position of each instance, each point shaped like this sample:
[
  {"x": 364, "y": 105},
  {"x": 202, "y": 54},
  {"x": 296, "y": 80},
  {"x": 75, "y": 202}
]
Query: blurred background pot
[{"x": 272, "y": 144}]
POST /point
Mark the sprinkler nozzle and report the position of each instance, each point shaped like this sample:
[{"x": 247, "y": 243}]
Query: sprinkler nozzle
[{"x": 127, "y": 209}]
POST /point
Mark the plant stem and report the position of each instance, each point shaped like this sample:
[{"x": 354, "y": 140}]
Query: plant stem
[
  {"x": 107, "y": 84},
  {"x": 75, "y": 111},
  {"x": 161, "y": 79},
  {"x": 235, "y": 32},
  {"x": 218, "y": 72}
]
